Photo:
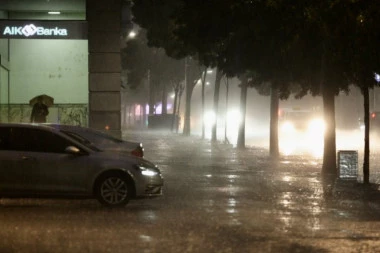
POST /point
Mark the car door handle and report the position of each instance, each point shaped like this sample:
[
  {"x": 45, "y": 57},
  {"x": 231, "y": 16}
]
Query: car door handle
[{"x": 28, "y": 158}]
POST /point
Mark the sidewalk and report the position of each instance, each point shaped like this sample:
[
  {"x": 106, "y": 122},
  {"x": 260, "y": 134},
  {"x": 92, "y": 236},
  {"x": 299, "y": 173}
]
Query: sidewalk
[{"x": 351, "y": 189}]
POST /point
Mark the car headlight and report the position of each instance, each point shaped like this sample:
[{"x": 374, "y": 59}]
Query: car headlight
[
  {"x": 234, "y": 117},
  {"x": 316, "y": 126},
  {"x": 149, "y": 173},
  {"x": 287, "y": 127},
  {"x": 209, "y": 118},
  {"x": 148, "y": 169}
]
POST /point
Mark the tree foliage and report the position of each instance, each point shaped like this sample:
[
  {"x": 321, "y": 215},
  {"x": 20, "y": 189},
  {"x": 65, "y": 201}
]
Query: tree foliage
[
  {"x": 320, "y": 46},
  {"x": 151, "y": 64}
]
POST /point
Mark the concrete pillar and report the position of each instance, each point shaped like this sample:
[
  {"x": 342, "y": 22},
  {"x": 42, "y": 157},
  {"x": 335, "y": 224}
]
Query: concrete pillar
[{"x": 104, "y": 30}]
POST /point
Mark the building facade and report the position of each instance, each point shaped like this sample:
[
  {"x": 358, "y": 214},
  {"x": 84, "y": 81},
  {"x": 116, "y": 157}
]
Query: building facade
[{"x": 66, "y": 49}]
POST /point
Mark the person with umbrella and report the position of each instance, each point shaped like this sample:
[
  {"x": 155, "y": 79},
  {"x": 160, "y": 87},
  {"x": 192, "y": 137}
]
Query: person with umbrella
[{"x": 39, "y": 111}]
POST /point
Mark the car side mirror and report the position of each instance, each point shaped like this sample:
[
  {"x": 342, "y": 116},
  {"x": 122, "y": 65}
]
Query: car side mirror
[{"x": 73, "y": 150}]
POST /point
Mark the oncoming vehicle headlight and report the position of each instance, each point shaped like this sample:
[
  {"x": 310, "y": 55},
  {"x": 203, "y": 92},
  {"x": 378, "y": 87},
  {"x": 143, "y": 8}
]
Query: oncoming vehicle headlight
[
  {"x": 287, "y": 127},
  {"x": 234, "y": 116},
  {"x": 209, "y": 118},
  {"x": 316, "y": 126}
]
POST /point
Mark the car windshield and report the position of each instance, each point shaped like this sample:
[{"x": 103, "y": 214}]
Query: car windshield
[
  {"x": 298, "y": 115},
  {"x": 103, "y": 136},
  {"x": 82, "y": 140}
]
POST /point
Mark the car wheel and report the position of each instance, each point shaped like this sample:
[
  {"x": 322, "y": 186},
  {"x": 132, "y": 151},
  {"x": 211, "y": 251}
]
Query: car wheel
[{"x": 112, "y": 190}]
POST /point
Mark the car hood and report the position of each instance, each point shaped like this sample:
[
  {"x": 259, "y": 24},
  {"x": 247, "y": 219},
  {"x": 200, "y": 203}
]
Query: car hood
[
  {"x": 123, "y": 157},
  {"x": 125, "y": 145}
]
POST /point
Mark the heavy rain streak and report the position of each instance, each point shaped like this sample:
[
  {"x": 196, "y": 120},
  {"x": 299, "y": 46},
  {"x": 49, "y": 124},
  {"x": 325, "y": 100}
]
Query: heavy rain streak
[{"x": 185, "y": 126}]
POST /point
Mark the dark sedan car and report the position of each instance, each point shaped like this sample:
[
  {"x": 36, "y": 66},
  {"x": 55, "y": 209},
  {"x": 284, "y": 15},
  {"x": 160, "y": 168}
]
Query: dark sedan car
[{"x": 42, "y": 161}]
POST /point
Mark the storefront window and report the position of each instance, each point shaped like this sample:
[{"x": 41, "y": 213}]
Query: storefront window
[{"x": 44, "y": 50}]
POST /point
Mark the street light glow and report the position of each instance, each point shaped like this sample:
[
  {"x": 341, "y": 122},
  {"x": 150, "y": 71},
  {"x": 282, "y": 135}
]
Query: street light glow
[
  {"x": 132, "y": 34},
  {"x": 377, "y": 77}
]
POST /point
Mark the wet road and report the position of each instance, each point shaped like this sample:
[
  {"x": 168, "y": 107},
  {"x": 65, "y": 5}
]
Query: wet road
[{"x": 216, "y": 199}]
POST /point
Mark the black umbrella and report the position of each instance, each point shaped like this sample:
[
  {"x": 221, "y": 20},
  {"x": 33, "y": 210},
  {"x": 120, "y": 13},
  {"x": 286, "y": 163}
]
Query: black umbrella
[{"x": 45, "y": 99}]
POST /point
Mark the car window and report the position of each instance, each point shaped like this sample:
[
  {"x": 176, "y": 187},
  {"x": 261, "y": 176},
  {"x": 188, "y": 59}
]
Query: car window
[
  {"x": 108, "y": 137},
  {"x": 81, "y": 139},
  {"x": 4, "y": 138},
  {"x": 100, "y": 137},
  {"x": 36, "y": 140}
]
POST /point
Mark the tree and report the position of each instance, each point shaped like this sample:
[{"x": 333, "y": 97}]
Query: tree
[
  {"x": 317, "y": 64},
  {"x": 178, "y": 88},
  {"x": 152, "y": 64},
  {"x": 193, "y": 73},
  {"x": 157, "y": 17},
  {"x": 172, "y": 73},
  {"x": 131, "y": 60},
  {"x": 203, "y": 80},
  {"x": 284, "y": 42},
  {"x": 243, "y": 105},
  {"x": 209, "y": 28},
  {"x": 348, "y": 53},
  {"x": 362, "y": 22},
  {"x": 218, "y": 78}
]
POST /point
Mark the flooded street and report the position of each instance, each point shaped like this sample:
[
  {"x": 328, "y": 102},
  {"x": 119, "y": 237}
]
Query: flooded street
[{"x": 216, "y": 199}]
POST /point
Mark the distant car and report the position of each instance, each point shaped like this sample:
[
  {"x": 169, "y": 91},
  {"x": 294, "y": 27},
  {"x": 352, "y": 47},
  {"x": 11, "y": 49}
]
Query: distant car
[
  {"x": 297, "y": 122},
  {"x": 374, "y": 120},
  {"x": 102, "y": 140},
  {"x": 43, "y": 161}
]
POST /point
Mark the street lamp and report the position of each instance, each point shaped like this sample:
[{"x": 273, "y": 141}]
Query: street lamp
[
  {"x": 377, "y": 77},
  {"x": 132, "y": 34}
]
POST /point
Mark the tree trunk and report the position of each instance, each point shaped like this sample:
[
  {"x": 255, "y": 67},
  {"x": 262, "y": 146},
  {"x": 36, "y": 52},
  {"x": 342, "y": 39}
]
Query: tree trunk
[
  {"x": 243, "y": 105},
  {"x": 186, "y": 126},
  {"x": 189, "y": 92},
  {"x": 176, "y": 88},
  {"x": 151, "y": 95},
  {"x": 145, "y": 118},
  {"x": 186, "y": 123},
  {"x": 226, "y": 114},
  {"x": 164, "y": 108},
  {"x": 365, "y": 92},
  {"x": 129, "y": 116},
  {"x": 181, "y": 88},
  {"x": 203, "y": 101},
  {"x": 191, "y": 77},
  {"x": 329, "y": 155},
  {"x": 273, "y": 137},
  {"x": 218, "y": 78}
]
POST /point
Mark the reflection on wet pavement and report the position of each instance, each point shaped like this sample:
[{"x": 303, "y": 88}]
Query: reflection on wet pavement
[{"x": 216, "y": 199}]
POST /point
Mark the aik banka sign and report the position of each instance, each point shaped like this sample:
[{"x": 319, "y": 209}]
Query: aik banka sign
[{"x": 43, "y": 29}]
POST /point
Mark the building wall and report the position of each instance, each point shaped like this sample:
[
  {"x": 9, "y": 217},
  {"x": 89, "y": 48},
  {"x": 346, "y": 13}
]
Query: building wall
[
  {"x": 4, "y": 70},
  {"x": 64, "y": 74},
  {"x": 58, "y": 68},
  {"x": 104, "y": 30},
  {"x": 29, "y": 67},
  {"x": 3, "y": 85}
]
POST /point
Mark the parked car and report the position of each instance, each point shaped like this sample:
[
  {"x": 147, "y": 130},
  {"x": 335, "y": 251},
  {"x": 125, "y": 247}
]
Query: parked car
[
  {"x": 102, "y": 140},
  {"x": 43, "y": 161}
]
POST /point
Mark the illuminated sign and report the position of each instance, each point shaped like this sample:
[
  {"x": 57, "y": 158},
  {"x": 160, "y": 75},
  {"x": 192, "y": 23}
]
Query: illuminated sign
[
  {"x": 43, "y": 29},
  {"x": 30, "y": 30}
]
